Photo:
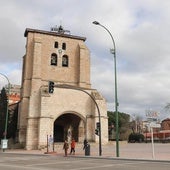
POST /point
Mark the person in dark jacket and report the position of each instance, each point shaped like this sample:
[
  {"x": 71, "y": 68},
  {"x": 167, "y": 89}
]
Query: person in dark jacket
[
  {"x": 65, "y": 147},
  {"x": 85, "y": 143}
]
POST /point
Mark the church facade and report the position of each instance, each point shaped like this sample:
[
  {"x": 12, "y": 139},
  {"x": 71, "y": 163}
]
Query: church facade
[{"x": 56, "y": 94}]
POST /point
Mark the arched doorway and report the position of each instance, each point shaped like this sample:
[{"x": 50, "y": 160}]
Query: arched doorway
[{"x": 67, "y": 126}]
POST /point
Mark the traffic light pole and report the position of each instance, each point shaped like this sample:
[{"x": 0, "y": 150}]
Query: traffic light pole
[{"x": 76, "y": 88}]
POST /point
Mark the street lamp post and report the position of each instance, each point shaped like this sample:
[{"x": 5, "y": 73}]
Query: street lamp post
[
  {"x": 113, "y": 51},
  {"x": 6, "y": 119}
]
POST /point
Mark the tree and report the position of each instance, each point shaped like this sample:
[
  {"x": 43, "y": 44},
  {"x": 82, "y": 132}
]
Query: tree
[
  {"x": 136, "y": 123},
  {"x": 3, "y": 109},
  {"x": 12, "y": 116},
  {"x": 167, "y": 107},
  {"x": 12, "y": 121},
  {"x": 123, "y": 123}
]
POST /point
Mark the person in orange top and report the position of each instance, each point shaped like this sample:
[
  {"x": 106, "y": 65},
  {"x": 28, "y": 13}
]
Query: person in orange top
[{"x": 73, "y": 144}]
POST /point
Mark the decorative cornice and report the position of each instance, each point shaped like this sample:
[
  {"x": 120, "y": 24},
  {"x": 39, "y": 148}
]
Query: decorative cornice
[{"x": 53, "y": 33}]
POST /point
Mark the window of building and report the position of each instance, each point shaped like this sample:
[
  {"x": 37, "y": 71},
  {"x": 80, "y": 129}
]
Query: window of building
[
  {"x": 64, "y": 46},
  {"x": 56, "y": 44},
  {"x": 53, "y": 59},
  {"x": 65, "y": 61}
]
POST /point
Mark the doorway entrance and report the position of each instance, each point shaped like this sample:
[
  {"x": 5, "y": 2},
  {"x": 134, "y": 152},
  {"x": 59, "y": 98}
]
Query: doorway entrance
[{"x": 67, "y": 126}]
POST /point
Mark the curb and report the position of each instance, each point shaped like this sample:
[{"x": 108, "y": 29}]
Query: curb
[
  {"x": 125, "y": 159},
  {"x": 86, "y": 157}
]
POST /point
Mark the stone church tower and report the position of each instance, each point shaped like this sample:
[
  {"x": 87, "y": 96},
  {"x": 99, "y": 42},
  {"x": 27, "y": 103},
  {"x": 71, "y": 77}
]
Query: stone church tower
[{"x": 61, "y": 60}]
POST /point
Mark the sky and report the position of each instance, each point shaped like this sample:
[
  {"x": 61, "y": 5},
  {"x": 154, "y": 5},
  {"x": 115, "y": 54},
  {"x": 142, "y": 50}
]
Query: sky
[{"x": 140, "y": 29}]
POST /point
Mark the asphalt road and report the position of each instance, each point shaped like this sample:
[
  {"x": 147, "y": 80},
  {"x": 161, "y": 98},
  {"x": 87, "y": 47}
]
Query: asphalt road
[{"x": 12, "y": 161}]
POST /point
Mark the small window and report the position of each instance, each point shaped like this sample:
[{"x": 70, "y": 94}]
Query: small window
[
  {"x": 53, "y": 59},
  {"x": 65, "y": 61},
  {"x": 56, "y": 44},
  {"x": 64, "y": 46}
]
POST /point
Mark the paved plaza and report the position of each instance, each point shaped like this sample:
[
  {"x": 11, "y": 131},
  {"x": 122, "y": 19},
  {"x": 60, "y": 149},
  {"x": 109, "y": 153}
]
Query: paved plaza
[
  {"x": 160, "y": 151},
  {"x": 19, "y": 161}
]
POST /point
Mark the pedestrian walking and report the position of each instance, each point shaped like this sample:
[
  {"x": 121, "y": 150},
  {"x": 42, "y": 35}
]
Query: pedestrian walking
[
  {"x": 85, "y": 143},
  {"x": 65, "y": 147},
  {"x": 73, "y": 144}
]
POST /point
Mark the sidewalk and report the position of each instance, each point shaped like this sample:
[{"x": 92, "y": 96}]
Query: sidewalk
[{"x": 126, "y": 150}]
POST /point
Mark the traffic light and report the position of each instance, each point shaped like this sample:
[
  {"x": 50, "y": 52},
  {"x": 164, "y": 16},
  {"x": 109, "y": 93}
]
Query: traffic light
[
  {"x": 98, "y": 125},
  {"x": 51, "y": 87},
  {"x": 97, "y": 132}
]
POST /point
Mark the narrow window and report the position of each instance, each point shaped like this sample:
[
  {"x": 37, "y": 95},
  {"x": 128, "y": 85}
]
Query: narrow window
[
  {"x": 53, "y": 59},
  {"x": 65, "y": 61},
  {"x": 56, "y": 44},
  {"x": 64, "y": 46}
]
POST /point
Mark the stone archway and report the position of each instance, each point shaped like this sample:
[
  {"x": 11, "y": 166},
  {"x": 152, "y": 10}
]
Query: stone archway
[{"x": 67, "y": 126}]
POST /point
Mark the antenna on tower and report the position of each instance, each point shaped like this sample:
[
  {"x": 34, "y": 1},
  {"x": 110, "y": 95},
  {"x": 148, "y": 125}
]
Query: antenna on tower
[{"x": 59, "y": 29}]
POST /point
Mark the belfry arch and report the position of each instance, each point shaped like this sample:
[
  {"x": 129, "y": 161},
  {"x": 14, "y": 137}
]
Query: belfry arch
[{"x": 67, "y": 126}]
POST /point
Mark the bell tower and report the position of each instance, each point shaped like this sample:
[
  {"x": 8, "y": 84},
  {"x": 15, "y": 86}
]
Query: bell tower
[{"x": 57, "y": 58}]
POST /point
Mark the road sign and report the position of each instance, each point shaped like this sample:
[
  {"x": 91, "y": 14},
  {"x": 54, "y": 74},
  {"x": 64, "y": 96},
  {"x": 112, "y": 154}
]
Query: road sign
[
  {"x": 152, "y": 119},
  {"x": 4, "y": 143},
  {"x": 155, "y": 125}
]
